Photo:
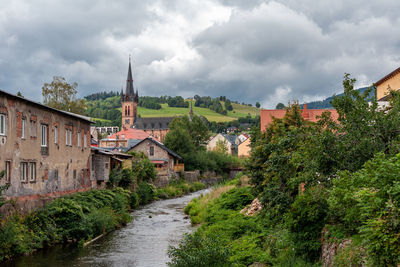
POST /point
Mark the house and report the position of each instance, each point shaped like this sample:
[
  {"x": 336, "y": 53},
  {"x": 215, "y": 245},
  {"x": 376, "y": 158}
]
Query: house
[
  {"x": 123, "y": 138},
  {"x": 104, "y": 161},
  {"x": 244, "y": 148},
  {"x": 155, "y": 126},
  {"x": 390, "y": 82},
  {"x": 267, "y": 115},
  {"x": 228, "y": 140},
  {"x": 45, "y": 152},
  {"x": 163, "y": 158},
  {"x": 242, "y": 137}
]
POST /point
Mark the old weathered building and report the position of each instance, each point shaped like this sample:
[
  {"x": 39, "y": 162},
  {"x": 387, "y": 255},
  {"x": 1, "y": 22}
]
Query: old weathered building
[
  {"x": 44, "y": 151},
  {"x": 163, "y": 158}
]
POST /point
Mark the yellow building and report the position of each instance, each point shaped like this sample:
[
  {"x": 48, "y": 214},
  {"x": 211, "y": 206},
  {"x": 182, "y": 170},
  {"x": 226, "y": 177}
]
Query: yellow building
[
  {"x": 244, "y": 148},
  {"x": 390, "y": 81}
]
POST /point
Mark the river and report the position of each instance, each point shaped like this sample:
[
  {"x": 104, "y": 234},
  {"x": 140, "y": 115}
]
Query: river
[{"x": 143, "y": 242}]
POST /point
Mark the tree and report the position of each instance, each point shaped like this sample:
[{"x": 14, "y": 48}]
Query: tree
[
  {"x": 280, "y": 106},
  {"x": 228, "y": 105},
  {"x": 61, "y": 95},
  {"x": 221, "y": 147},
  {"x": 258, "y": 105},
  {"x": 2, "y": 188}
]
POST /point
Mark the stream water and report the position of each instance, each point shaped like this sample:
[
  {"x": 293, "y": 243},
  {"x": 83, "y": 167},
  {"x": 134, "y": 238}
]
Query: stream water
[{"x": 143, "y": 242}]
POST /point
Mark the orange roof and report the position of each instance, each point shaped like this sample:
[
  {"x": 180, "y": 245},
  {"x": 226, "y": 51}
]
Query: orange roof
[
  {"x": 267, "y": 115},
  {"x": 129, "y": 133}
]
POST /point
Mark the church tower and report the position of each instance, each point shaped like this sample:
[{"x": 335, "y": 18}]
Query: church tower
[{"x": 129, "y": 101}]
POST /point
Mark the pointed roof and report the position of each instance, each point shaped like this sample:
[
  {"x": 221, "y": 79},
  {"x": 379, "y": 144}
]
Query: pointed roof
[{"x": 129, "y": 81}]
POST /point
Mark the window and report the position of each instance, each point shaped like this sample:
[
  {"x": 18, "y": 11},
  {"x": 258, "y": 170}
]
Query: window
[
  {"x": 74, "y": 174},
  {"x": 23, "y": 128},
  {"x": 8, "y": 171},
  {"x": 32, "y": 171},
  {"x": 66, "y": 137},
  {"x": 33, "y": 128},
  {"x": 152, "y": 151},
  {"x": 43, "y": 135},
  {"x": 3, "y": 124},
  {"x": 106, "y": 165},
  {"x": 70, "y": 137},
  {"x": 55, "y": 135},
  {"x": 24, "y": 171},
  {"x": 84, "y": 140},
  {"x": 79, "y": 139}
]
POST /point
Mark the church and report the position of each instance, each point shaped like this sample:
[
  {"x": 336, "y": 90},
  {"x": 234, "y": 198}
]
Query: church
[{"x": 157, "y": 127}]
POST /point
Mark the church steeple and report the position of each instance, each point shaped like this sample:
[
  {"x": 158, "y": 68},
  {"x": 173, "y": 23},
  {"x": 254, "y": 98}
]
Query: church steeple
[{"x": 129, "y": 91}]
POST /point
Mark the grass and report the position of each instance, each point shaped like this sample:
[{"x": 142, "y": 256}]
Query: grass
[{"x": 166, "y": 111}]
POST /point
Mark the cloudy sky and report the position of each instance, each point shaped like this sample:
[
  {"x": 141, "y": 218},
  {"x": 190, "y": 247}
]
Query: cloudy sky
[{"x": 266, "y": 51}]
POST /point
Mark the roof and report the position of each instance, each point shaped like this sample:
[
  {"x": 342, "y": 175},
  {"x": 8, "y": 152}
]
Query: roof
[
  {"x": 230, "y": 138},
  {"x": 110, "y": 152},
  {"x": 387, "y": 77},
  {"x": 267, "y": 115},
  {"x": 129, "y": 133},
  {"x": 156, "y": 143},
  {"x": 152, "y": 123},
  {"x": 77, "y": 116}
]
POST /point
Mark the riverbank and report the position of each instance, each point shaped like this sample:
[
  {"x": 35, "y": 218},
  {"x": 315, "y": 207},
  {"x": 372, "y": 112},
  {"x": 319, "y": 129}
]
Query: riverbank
[
  {"x": 226, "y": 237},
  {"x": 80, "y": 217},
  {"x": 142, "y": 242}
]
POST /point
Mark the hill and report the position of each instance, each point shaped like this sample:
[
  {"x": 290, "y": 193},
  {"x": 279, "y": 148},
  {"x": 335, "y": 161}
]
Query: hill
[
  {"x": 107, "y": 111},
  {"x": 326, "y": 103}
]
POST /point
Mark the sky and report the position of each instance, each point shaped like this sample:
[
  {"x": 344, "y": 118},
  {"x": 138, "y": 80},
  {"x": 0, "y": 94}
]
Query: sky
[{"x": 265, "y": 51}]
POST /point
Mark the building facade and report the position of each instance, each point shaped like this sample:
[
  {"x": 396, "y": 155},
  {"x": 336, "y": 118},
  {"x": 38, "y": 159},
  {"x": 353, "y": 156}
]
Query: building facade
[
  {"x": 229, "y": 141},
  {"x": 44, "y": 151},
  {"x": 387, "y": 83}
]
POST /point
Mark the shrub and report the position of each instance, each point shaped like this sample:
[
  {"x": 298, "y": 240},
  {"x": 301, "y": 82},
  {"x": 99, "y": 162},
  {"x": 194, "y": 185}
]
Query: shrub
[
  {"x": 199, "y": 250},
  {"x": 305, "y": 221},
  {"x": 134, "y": 200},
  {"x": 146, "y": 192}
]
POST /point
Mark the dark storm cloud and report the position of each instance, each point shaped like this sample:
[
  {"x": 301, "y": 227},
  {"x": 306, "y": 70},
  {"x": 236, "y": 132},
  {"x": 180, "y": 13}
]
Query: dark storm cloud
[{"x": 267, "y": 51}]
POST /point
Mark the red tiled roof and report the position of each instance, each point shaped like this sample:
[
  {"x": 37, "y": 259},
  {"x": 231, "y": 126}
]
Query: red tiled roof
[
  {"x": 129, "y": 134},
  {"x": 267, "y": 115}
]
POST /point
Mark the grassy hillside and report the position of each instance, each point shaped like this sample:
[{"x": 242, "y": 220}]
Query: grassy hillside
[{"x": 166, "y": 111}]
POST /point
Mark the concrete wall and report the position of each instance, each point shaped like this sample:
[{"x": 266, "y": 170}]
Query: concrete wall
[
  {"x": 59, "y": 167},
  {"x": 393, "y": 82},
  {"x": 100, "y": 167}
]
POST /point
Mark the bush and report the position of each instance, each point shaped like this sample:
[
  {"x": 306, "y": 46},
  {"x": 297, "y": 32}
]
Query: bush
[
  {"x": 305, "y": 221},
  {"x": 146, "y": 193},
  {"x": 134, "y": 200},
  {"x": 199, "y": 250}
]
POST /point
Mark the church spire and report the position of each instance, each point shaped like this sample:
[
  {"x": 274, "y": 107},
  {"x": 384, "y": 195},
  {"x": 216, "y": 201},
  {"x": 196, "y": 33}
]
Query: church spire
[{"x": 129, "y": 91}]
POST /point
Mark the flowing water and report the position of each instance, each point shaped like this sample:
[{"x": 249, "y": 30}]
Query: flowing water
[{"x": 143, "y": 242}]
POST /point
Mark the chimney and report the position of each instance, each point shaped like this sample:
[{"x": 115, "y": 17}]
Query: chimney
[{"x": 305, "y": 113}]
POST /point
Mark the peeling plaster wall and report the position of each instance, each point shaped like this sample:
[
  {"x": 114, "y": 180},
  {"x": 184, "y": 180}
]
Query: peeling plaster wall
[{"x": 63, "y": 168}]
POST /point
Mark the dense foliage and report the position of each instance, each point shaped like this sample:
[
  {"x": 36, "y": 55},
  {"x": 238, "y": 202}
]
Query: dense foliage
[
  {"x": 330, "y": 181},
  {"x": 188, "y": 137},
  {"x": 178, "y": 102}
]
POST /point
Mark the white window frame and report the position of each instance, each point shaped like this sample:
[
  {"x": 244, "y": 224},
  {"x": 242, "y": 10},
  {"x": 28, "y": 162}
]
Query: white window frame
[
  {"x": 84, "y": 140},
  {"x": 43, "y": 135},
  {"x": 24, "y": 171},
  {"x": 3, "y": 124},
  {"x": 66, "y": 136},
  {"x": 79, "y": 139},
  {"x": 23, "y": 123},
  {"x": 32, "y": 171},
  {"x": 8, "y": 171},
  {"x": 55, "y": 135}
]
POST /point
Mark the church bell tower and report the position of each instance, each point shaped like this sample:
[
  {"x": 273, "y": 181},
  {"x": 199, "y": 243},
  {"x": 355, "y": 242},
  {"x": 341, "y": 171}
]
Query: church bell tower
[{"x": 129, "y": 101}]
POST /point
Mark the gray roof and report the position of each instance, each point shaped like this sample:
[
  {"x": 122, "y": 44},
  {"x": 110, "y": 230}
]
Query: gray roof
[
  {"x": 153, "y": 123},
  {"x": 156, "y": 143},
  {"x": 230, "y": 138},
  {"x": 81, "y": 117}
]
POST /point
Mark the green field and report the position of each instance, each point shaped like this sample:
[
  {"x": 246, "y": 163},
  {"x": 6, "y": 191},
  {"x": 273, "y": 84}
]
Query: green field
[{"x": 166, "y": 111}]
